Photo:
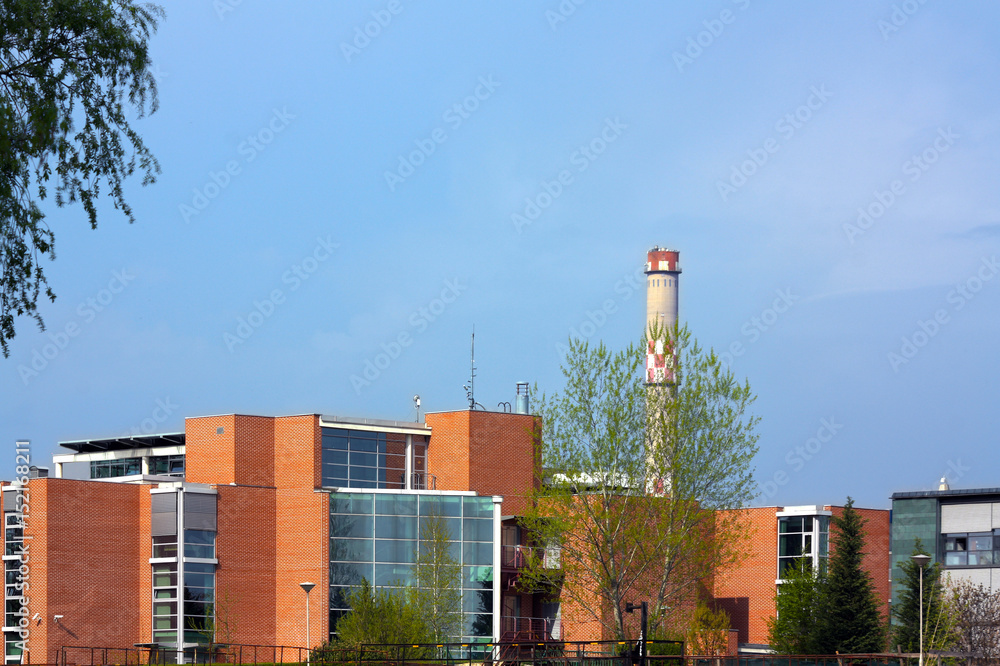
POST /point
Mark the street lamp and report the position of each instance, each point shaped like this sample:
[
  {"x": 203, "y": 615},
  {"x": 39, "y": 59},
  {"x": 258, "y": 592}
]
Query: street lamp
[
  {"x": 644, "y": 608},
  {"x": 307, "y": 587},
  {"x": 921, "y": 561}
]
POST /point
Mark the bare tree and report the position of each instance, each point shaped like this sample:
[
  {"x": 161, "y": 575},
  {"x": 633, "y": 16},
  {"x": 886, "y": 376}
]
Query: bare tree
[{"x": 976, "y": 611}]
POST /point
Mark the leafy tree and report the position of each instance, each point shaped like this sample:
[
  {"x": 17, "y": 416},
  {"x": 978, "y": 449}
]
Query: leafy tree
[
  {"x": 438, "y": 592},
  {"x": 798, "y": 610},
  {"x": 709, "y": 631},
  {"x": 381, "y": 616},
  {"x": 69, "y": 72},
  {"x": 938, "y": 629},
  {"x": 851, "y": 621},
  {"x": 632, "y": 475}
]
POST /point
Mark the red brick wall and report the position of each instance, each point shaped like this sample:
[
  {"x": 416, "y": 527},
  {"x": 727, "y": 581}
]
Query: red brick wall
[
  {"x": 245, "y": 577},
  {"x": 448, "y": 451},
  {"x": 746, "y": 590},
  {"x": 296, "y": 455},
  {"x": 254, "y": 450},
  {"x": 502, "y": 458},
  {"x": 302, "y": 554},
  {"x": 87, "y": 553},
  {"x": 492, "y": 453},
  {"x": 302, "y": 545},
  {"x": 208, "y": 456}
]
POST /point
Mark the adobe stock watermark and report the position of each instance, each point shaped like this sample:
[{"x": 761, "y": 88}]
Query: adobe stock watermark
[
  {"x": 223, "y": 7},
  {"x": 265, "y": 308},
  {"x": 958, "y": 298},
  {"x": 86, "y": 312},
  {"x": 581, "y": 158},
  {"x": 899, "y": 17},
  {"x": 913, "y": 168},
  {"x": 714, "y": 28},
  {"x": 419, "y": 321},
  {"x": 594, "y": 320},
  {"x": 455, "y": 115},
  {"x": 797, "y": 457},
  {"x": 364, "y": 34},
  {"x": 248, "y": 149},
  {"x": 562, "y": 12},
  {"x": 786, "y": 127},
  {"x": 15, "y": 522},
  {"x": 754, "y": 327},
  {"x": 164, "y": 409}
]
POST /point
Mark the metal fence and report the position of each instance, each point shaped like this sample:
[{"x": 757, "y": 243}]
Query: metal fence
[{"x": 72, "y": 655}]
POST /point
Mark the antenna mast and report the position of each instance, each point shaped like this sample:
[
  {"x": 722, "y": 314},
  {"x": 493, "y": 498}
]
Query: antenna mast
[{"x": 472, "y": 375}]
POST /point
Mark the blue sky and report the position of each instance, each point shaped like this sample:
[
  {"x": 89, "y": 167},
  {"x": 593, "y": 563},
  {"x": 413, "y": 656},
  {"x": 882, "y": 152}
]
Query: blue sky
[{"x": 359, "y": 191}]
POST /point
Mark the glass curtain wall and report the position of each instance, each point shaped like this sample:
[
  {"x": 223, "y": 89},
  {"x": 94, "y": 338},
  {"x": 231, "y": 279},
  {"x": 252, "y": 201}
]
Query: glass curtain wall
[{"x": 376, "y": 537}]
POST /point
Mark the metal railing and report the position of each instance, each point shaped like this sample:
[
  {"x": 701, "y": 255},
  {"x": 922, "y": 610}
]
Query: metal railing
[
  {"x": 74, "y": 655},
  {"x": 517, "y": 556},
  {"x": 529, "y": 628}
]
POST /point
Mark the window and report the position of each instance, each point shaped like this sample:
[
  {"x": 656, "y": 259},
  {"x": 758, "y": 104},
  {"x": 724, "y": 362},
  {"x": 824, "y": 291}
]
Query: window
[
  {"x": 199, "y": 543},
  {"x": 109, "y": 469},
  {"x": 802, "y": 537},
  {"x": 365, "y": 459},
  {"x": 974, "y": 549},
  {"x": 167, "y": 465},
  {"x": 165, "y": 546}
]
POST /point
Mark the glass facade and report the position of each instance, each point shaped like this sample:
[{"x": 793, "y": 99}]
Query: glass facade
[
  {"x": 366, "y": 459},
  {"x": 912, "y": 519},
  {"x": 108, "y": 469},
  {"x": 163, "y": 465},
  {"x": 183, "y": 570},
  {"x": 167, "y": 465},
  {"x": 803, "y": 537},
  {"x": 377, "y": 536}
]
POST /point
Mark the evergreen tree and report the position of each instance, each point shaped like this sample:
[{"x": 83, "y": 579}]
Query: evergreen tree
[
  {"x": 794, "y": 629},
  {"x": 851, "y": 621},
  {"x": 937, "y": 622}
]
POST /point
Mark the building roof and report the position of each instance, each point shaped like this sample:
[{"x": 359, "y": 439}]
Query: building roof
[
  {"x": 963, "y": 493},
  {"x": 124, "y": 443}
]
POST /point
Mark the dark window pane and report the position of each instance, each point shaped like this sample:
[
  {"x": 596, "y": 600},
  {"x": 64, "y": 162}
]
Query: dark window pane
[
  {"x": 393, "y": 574},
  {"x": 334, "y": 457},
  {"x": 350, "y": 550},
  {"x": 395, "y": 527},
  {"x": 351, "y": 526},
  {"x": 396, "y": 505},
  {"x": 349, "y": 574},
  {"x": 477, "y": 529},
  {"x": 199, "y": 580},
  {"x": 364, "y": 459},
  {"x": 196, "y": 567},
  {"x": 478, "y": 507},
  {"x": 477, "y": 553},
  {"x": 395, "y": 550}
]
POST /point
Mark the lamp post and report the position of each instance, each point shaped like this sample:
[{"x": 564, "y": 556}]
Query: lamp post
[
  {"x": 921, "y": 561},
  {"x": 643, "y": 621},
  {"x": 307, "y": 587}
]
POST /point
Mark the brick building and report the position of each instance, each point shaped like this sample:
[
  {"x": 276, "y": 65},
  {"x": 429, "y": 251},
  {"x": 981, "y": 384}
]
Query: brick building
[
  {"x": 777, "y": 536},
  {"x": 211, "y": 531}
]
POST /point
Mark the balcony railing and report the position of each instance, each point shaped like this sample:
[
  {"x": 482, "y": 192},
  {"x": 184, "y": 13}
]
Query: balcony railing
[
  {"x": 423, "y": 481},
  {"x": 516, "y": 557},
  {"x": 529, "y": 628}
]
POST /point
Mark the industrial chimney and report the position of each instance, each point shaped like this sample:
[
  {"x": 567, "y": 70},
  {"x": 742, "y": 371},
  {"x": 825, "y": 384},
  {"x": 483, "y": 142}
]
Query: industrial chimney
[{"x": 663, "y": 273}]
